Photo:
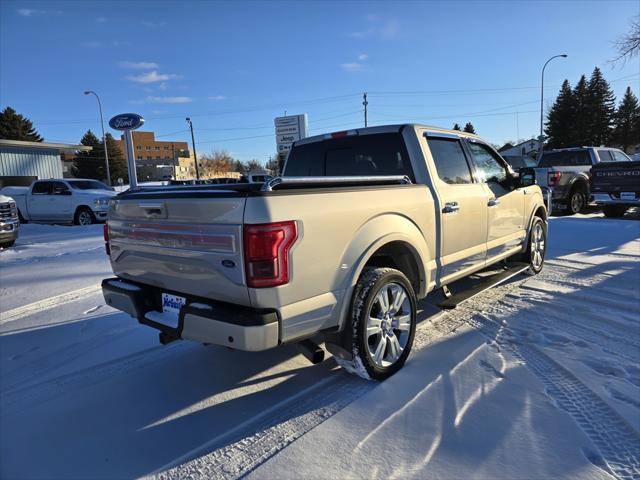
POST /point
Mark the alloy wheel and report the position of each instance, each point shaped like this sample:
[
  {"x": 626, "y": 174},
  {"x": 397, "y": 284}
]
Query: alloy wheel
[
  {"x": 538, "y": 242},
  {"x": 388, "y": 324}
]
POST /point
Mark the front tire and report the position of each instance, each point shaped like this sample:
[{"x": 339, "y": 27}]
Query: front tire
[
  {"x": 84, "y": 216},
  {"x": 614, "y": 211},
  {"x": 537, "y": 247},
  {"x": 382, "y": 322},
  {"x": 8, "y": 244}
]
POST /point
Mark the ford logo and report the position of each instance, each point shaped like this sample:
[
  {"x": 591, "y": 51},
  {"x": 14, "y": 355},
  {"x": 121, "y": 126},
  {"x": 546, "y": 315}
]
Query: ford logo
[{"x": 126, "y": 121}]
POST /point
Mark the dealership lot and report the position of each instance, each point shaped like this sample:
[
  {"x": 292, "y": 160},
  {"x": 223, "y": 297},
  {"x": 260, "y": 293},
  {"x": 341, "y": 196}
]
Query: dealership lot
[{"x": 543, "y": 370}]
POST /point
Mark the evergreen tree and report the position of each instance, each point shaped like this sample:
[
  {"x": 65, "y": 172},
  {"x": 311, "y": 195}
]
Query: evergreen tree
[
  {"x": 600, "y": 105},
  {"x": 14, "y": 126},
  {"x": 580, "y": 120},
  {"x": 456, "y": 127},
  {"x": 627, "y": 121},
  {"x": 559, "y": 126},
  {"x": 91, "y": 164},
  {"x": 469, "y": 128}
]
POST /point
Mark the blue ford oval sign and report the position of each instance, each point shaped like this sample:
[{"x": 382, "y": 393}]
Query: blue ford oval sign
[{"x": 126, "y": 121}]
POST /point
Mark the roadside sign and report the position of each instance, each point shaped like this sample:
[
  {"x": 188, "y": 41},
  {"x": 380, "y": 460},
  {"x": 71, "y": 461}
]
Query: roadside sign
[
  {"x": 127, "y": 122},
  {"x": 290, "y": 129}
]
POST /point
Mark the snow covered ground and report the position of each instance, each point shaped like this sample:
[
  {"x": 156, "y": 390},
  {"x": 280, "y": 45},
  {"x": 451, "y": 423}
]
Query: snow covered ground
[{"x": 537, "y": 378}]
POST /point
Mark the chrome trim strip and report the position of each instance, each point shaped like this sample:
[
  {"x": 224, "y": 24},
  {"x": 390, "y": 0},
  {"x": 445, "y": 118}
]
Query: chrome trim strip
[{"x": 276, "y": 181}]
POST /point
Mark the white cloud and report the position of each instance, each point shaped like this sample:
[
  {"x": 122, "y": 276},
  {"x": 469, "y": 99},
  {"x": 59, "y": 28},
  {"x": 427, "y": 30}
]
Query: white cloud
[
  {"x": 168, "y": 99},
  {"x": 27, "y": 12},
  {"x": 217, "y": 97},
  {"x": 352, "y": 67},
  {"x": 162, "y": 86},
  {"x": 152, "y": 77},
  {"x": 378, "y": 27},
  {"x": 363, "y": 56},
  {"x": 154, "y": 24},
  {"x": 138, "y": 65}
]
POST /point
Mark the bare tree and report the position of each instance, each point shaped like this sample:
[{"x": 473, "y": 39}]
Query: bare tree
[
  {"x": 628, "y": 45},
  {"x": 216, "y": 164}
]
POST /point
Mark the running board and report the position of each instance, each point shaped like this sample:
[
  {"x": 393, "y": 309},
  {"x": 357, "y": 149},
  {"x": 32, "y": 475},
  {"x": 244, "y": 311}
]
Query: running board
[{"x": 454, "y": 300}]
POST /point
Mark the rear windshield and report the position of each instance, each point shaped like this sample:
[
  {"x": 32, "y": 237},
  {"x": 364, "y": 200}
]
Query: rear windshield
[
  {"x": 378, "y": 154},
  {"x": 569, "y": 158}
]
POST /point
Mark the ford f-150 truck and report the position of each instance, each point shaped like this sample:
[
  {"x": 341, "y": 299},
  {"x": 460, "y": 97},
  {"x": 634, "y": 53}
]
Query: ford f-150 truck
[
  {"x": 9, "y": 223},
  {"x": 77, "y": 200},
  {"x": 616, "y": 187},
  {"x": 360, "y": 225},
  {"x": 565, "y": 173}
]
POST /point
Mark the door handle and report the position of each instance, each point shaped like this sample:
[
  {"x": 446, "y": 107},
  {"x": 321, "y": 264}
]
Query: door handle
[
  {"x": 451, "y": 207},
  {"x": 494, "y": 202}
]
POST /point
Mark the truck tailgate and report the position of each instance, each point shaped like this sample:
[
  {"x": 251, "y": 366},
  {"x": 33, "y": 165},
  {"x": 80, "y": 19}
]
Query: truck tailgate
[
  {"x": 186, "y": 243},
  {"x": 615, "y": 177}
]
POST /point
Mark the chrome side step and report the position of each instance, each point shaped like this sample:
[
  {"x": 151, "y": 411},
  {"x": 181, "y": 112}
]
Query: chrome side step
[{"x": 456, "y": 299}]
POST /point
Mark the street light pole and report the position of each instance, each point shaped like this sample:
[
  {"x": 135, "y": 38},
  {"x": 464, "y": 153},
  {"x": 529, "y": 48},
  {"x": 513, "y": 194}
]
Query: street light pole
[
  {"x": 104, "y": 138},
  {"x": 541, "y": 137},
  {"x": 193, "y": 142}
]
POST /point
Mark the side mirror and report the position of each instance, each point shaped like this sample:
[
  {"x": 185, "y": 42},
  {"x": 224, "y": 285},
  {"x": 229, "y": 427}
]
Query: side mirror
[{"x": 527, "y": 177}]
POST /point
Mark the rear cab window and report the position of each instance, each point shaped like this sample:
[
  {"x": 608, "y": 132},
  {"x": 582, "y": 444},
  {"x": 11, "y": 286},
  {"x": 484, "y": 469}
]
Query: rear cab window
[
  {"x": 354, "y": 155},
  {"x": 605, "y": 155},
  {"x": 450, "y": 161},
  {"x": 565, "y": 158}
]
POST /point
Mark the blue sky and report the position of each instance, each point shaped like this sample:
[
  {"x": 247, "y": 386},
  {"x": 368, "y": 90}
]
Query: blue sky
[{"x": 234, "y": 66}]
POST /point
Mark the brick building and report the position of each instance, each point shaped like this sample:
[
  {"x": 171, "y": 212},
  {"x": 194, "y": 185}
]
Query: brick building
[{"x": 151, "y": 152}]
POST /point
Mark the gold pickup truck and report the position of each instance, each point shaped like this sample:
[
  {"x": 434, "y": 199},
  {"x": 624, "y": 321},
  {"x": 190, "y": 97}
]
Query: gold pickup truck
[{"x": 361, "y": 225}]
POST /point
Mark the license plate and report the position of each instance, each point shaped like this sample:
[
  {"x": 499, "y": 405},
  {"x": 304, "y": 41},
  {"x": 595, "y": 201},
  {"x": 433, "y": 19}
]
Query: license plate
[
  {"x": 627, "y": 196},
  {"x": 172, "y": 303}
]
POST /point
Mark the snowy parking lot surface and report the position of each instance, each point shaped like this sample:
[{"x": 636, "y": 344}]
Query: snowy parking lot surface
[{"x": 536, "y": 378}]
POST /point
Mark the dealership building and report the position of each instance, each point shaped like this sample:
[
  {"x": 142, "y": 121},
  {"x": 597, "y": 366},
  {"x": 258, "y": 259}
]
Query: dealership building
[{"x": 22, "y": 162}]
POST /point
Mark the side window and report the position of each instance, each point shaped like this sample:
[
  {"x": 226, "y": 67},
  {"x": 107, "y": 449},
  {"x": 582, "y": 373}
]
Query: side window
[
  {"x": 605, "y": 155},
  {"x": 450, "y": 161},
  {"x": 489, "y": 167},
  {"x": 58, "y": 188},
  {"x": 619, "y": 156},
  {"x": 41, "y": 188}
]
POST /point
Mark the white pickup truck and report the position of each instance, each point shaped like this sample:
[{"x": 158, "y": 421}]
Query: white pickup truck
[
  {"x": 81, "y": 201},
  {"x": 361, "y": 225}
]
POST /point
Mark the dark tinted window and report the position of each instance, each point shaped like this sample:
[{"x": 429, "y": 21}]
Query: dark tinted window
[
  {"x": 58, "y": 187},
  {"x": 88, "y": 184},
  {"x": 378, "y": 154},
  {"x": 41, "y": 188},
  {"x": 567, "y": 158},
  {"x": 488, "y": 164},
  {"x": 605, "y": 156},
  {"x": 449, "y": 160}
]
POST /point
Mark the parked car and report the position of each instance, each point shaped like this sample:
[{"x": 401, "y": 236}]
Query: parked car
[
  {"x": 360, "y": 226},
  {"x": 78, "y": 201},
  {"x": 9, "y": 223},
  {"x": 565, "y": 172},
  {"x": 616, "y": 186}
]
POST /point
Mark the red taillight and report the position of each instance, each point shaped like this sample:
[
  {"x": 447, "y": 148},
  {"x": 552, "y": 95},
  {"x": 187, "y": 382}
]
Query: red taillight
[
  {"x": 553, "y": 178},
  {"x": 105, "y": 235},
  {"x": 266, "y": 253}
]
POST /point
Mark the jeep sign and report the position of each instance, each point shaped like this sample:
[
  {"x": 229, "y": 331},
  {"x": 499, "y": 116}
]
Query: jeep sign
[
  {"x": 126, "y": 121},
  {"x": 288, "y": 130}
]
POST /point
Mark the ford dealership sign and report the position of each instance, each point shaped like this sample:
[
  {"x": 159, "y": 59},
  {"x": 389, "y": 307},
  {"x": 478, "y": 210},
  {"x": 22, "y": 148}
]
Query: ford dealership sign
[{"x": 126, "y": 121}]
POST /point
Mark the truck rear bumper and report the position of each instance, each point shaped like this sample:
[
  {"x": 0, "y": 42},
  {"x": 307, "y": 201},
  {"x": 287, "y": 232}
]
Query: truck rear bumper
[
  {"x": 204, "y": 321},
  {"x": 607, "y": 199}
]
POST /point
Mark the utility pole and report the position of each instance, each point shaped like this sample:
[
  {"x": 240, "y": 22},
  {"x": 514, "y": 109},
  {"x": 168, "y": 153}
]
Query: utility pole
[
  {"x": 541, "y": 137},
  {"x": 365, "y": 103},
  {"x": 193, "y": 142},
  {"x": 104, "y": 138}
]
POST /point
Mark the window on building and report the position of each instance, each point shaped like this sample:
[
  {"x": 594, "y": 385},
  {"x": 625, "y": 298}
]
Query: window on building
[
  {"x": 139, "y": 157},
  {"x": 147, "y": 148},
  {"x": 166, "y": 148},
  {"x": 450, "y": 160},
  {"x": 138, "y": 147},
  {"x": 157, "y": 147}
]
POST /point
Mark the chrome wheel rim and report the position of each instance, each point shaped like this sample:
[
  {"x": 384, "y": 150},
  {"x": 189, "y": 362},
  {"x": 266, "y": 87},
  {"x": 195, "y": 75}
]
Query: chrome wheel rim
[
  {"x": 577, "y": 202},
  {"x": 537, "y": 246},
  {"x": 388, "y": 324},
  {"x": 84, "y": 218}
]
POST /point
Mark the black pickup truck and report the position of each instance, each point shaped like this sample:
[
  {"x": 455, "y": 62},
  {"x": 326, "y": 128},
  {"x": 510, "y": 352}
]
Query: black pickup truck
[{"x": 616, "y": 186}]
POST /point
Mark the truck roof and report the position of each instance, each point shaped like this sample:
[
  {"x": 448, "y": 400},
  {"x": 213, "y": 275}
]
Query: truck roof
[{"x": 383, "y": 129}]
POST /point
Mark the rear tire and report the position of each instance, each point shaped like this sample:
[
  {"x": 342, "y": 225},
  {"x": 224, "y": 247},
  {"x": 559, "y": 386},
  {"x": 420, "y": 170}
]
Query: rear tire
[
  {"x": 84, "y": 216},
  {"x": 577, "y": 200},
  {"x": 382, "y": 320},
  {"x": 614, "y": 211},
  {"x": 7, "y": 244}
]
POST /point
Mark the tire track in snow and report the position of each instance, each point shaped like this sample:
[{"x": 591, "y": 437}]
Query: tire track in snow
[{"x": 47, "y": 303}]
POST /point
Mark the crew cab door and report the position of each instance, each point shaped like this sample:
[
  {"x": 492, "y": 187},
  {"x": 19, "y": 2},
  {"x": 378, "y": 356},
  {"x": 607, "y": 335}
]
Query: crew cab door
[
  {"x": 505, "y": 204},
  {"x": 60, "y": 202},
  {"x": 461, "y": 204},
  {"x": 38, "y": 200}
]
